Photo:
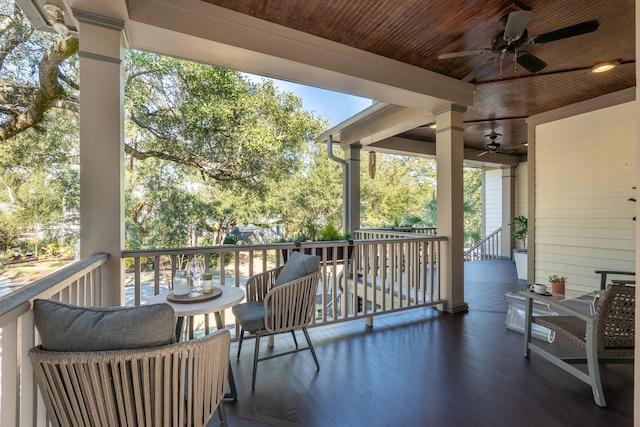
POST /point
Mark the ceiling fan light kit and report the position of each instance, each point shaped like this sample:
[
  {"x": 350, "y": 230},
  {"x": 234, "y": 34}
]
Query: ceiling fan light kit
[
  {"x": 56, "y": 19},
  {"x": 493, "y": 146}
]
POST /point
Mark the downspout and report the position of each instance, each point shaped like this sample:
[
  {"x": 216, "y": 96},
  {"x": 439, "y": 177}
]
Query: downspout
[{"x": 346, "y": 214}]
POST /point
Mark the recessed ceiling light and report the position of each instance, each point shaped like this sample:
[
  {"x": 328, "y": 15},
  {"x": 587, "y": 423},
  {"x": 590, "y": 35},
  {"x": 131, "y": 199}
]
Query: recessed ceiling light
[
  {"x": 601, "y": 67},
  {"x": 432, "y": 125}
]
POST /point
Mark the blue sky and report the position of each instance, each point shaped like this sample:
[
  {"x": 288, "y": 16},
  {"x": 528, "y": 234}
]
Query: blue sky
[{"x": 334, "y": 106}]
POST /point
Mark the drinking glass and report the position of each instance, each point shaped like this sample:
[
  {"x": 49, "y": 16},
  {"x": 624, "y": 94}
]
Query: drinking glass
[{"x": 195, "y": 270}]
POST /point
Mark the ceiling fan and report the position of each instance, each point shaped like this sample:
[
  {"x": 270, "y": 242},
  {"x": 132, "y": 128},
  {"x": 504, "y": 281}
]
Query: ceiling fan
[
  {"x": 494, "y": 146},
  {"x": 507, "y": 43}
]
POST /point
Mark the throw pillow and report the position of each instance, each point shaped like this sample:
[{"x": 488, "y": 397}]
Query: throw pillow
[
  {"x": 298, "y": 265},
  {"x": 66, "y": 327}
]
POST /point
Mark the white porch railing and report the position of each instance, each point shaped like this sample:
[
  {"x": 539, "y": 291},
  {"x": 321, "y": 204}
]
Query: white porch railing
[
  {"x": 79, "y": 284},
  {"x": 488, "y": 248},
  {"x": 401, "y": 265},
  {"x": 393, "y": 271},
  {"x": 380, "y": 232},
  {"x": 388, "y": 271}
]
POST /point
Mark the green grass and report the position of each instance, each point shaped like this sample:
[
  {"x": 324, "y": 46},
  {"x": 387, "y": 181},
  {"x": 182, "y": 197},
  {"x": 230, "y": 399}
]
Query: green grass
[{"x": 30, "y": 270}]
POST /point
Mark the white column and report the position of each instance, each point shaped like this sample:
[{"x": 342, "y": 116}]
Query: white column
[
  {"x": 102, "y": 148},
  {"x": 636, "y": 383},
  {"x": 450, "y": 197},
  {"x": 352, "y": 207},
  {"x": 508, "y": 210},
  {"x": 531, "y": 201}
]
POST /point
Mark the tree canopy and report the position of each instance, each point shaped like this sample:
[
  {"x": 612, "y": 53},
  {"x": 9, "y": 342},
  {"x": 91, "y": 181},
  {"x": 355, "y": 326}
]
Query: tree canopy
[
  {"x": 208, "y": 147},
  {"x": 215, "y": 121},
  {"x": 37, "y": 74},
  {"x": 38, "y": 131}
]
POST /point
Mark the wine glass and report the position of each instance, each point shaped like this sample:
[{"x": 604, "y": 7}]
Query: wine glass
[{"x": 195, "y": 270}]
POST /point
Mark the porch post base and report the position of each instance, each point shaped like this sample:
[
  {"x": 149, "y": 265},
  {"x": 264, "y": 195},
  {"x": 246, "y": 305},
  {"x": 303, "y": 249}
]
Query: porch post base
[{"x": 462, "y": 307}]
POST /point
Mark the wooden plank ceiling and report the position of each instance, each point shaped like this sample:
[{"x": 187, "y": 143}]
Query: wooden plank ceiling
[{"x": 417, "y": 32}]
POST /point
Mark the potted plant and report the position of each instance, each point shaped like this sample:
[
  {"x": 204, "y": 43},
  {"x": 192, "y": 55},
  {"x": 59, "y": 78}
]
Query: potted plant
[
  {"x": 325, "y": 234},
  {"x": 557, "y": 284},
  {"x": 329, "y": 233},
  {"x": 520, "y": 233},
  {"x": 520, "y": 255},
  {"x": 207, "y": 282}
]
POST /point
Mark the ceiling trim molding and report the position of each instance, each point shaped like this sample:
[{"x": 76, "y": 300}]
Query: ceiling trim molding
[
  {"x": 453, "y": 107},
  {"x": 598, "y": 103},
  {"x": 97, "y": 57},
  {"x": 411, "y": 147},
  {"x": 98, "y": 20}
]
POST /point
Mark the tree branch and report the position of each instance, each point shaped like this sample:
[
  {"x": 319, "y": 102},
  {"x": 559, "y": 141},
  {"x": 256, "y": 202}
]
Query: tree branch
[
  {"x": 48, "y": 92},
  {"x": 16, "y": 33}
]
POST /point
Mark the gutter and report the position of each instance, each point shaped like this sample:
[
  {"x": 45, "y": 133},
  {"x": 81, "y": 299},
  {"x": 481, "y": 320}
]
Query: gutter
[{"x": 346, "y": 214}]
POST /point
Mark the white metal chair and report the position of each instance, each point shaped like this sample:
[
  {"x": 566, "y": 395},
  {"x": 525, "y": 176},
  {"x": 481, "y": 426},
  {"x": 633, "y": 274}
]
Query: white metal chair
[{"x": 171, "y": 385}]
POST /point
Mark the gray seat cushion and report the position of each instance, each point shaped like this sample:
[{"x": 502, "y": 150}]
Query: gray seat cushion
[
  {"x": 66, "y": 327},
  {"x": 250, "y": 315},
  {"x": 297, "y": 266}
]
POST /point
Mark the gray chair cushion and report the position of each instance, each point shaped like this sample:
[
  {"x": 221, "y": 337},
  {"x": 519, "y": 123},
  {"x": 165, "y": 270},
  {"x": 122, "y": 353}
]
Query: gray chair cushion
[
  {"x": 250, "y": 315},
  {"x": 297, "y": 266},
  {"x": 66, "y": 327}
]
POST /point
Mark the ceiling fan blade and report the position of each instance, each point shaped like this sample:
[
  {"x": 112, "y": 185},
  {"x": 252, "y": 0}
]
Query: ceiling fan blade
[
  {"x": 532, "y": 63},
  {"x": 566, "y": 32},
  {"x": 469, "y": 77},
  {"x": 464, "y": 53},
  {"x": 516, "y": 24},
  {"x": 472, "y": 75},
  {"x": 482, "y": 154}
]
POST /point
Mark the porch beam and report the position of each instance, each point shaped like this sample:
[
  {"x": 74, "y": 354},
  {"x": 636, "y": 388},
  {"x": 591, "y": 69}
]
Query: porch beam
[
  {"x": 381, "y": 124},
  {"x": 413, "y": 147}
]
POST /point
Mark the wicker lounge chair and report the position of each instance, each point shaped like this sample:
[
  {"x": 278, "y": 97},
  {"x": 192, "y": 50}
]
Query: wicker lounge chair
[
  {"x": 607, "y": 337},
  {"x": 603, "y": 277},
  {"x": 170, "y": 385}
]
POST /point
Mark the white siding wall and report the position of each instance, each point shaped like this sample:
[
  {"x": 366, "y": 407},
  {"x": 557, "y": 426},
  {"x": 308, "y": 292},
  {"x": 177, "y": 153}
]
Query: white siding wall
[
  {"x": 585, "y": 174},
  {"x": 492, "y": 200}
]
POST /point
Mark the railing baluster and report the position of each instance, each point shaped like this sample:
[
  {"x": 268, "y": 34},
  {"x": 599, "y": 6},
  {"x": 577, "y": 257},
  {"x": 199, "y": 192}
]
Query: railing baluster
[
  {"x": 488, "y": 248},
  {"x": 136, "y": 283},
  {"x": 10, "y": 385}
]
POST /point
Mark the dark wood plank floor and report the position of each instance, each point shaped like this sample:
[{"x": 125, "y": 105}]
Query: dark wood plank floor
[{"x": 425, "y": 368}]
